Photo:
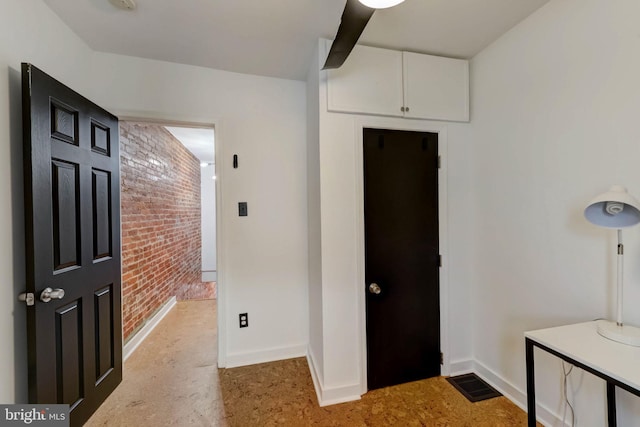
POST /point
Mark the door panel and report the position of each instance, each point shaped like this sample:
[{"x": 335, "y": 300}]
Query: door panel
[
  {"x": 69, "y": 353},
  {"x": 66, "y": 215},
  {"x": 72, "y": 210},
  {"x": 104, "y": 332},
  {"x": 401, "y": 256},
  {"x": 102, "y": 221}
]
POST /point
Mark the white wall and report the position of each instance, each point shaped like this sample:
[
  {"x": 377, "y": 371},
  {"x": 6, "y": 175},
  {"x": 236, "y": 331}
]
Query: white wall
[
  {"x": 555, "y": 106},
  {"x": 341, "y": 291},
  {"x": 29, "y": 32},
  {"x": 314, "y": 208},
  {"x": 208, "y": 199},
  {"x": 260, "y": 119}
]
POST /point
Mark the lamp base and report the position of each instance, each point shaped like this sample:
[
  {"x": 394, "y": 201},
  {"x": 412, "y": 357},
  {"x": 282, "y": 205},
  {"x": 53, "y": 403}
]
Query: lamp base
[{"x": 629, "y": 335}]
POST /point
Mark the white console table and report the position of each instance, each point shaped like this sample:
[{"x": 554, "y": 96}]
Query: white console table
[{"x": 582, "y": 346}]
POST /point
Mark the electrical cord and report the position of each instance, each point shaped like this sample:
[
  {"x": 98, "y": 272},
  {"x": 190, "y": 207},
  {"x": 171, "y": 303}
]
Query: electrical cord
[{"x": 566, "y": 397}]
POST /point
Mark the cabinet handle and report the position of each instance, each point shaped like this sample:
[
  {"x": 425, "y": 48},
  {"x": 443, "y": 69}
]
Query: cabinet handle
[
  {"x": 402, "y": 109},
  {"x": 406, "y": 109}
]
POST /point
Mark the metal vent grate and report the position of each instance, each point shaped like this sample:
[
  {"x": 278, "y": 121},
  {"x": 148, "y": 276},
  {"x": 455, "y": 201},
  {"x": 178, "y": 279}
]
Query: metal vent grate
[{"x": 473, "y": 388}]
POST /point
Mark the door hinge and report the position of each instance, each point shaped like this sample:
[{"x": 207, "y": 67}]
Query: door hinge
[
  {"x": 439, "y": 162},
  {"x": 28, "y": 298},
  {"x": 439, "y": 260},
  {"x": 441, "y": 358}
]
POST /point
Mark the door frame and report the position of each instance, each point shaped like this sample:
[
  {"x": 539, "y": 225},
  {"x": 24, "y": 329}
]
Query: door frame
[
  {"x": 221, "y": 238},
  {"x": 413, "y": 126}
]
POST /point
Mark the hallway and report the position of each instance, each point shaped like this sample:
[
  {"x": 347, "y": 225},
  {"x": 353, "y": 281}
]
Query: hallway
[{"x": 172, "y": 380}]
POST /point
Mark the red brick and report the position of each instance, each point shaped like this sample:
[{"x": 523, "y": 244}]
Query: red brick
[{"x": 161, "y": 231}]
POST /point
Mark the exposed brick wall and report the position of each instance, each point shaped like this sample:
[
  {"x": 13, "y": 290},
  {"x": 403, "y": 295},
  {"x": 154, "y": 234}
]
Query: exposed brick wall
[{"x": 161, "y": 231}]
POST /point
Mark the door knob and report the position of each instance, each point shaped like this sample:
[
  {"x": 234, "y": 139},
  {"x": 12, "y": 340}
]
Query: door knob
[
  {"x": 48, "y": 294},
  {"x": 375, "y": 289}
]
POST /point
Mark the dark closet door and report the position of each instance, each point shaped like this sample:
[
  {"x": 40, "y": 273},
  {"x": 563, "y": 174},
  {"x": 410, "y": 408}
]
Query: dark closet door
[
  {"x": 401, "y": 256},
  {"x": 72, "y": 209}
]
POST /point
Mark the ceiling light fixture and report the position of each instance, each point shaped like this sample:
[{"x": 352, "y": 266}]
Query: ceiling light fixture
[
  {"x": 380, "y": 4},
  {"x": 124, "y": 4}
]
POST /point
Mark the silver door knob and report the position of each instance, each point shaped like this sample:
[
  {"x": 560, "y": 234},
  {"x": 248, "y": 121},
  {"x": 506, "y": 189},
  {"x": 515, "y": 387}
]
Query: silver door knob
[
  {"x": 48, "y": 294},
  {"x": 375, "y": 289}
]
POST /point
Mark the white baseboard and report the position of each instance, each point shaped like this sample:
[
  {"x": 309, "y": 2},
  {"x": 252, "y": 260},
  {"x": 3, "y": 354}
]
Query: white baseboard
[
  {"x": 137, "y": 339},
  {"x": 460, "y": 367},
  {"x": 514, "y": 394},
  {"x": 332, "y": 395},
  {"x": 314, "y": 375},
  {"x": 234, "y": 360},
  {"x": 209, "y": 276}
]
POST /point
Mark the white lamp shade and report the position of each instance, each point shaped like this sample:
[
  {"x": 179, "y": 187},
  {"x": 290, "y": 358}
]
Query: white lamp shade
[
  {"x": 380, "y": 4},
  {"x": 614, "y": 209}
]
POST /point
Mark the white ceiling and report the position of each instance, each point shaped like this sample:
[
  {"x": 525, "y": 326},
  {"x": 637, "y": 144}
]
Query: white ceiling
[
  {"x": 276, "y": 37},
  {"x": 200, "y": 141}
]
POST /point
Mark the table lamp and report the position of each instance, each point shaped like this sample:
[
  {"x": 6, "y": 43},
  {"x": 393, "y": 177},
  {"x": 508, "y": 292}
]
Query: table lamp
[{"x": 616, "y": 209}]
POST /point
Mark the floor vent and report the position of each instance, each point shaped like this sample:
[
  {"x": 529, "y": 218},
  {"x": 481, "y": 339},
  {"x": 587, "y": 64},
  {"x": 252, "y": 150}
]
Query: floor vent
[{"x": 473, "y": 388}]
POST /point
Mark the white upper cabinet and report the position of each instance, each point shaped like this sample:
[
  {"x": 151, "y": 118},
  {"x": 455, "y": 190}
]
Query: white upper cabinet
[
  {"x": 370, "y": 82},
  {"x": 404, "y": 84},
  {"x": 435, "y": 87}
]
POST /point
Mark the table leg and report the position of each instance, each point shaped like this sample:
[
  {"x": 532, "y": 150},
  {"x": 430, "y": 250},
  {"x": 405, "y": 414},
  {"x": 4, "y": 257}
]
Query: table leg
[
  {"x": 611, "y": 404},
  {"x": 531, "y": 384}
]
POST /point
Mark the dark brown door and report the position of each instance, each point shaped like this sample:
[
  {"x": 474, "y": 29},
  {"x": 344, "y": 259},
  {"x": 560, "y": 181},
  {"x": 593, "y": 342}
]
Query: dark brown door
[
  {"x": 72, "y": 208},
  {"x": 401, "y": 256}
]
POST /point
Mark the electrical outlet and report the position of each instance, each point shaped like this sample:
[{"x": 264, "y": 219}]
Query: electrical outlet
[
  {"x": 242, "y": 209},
  {"x": 244, "y": 320}
]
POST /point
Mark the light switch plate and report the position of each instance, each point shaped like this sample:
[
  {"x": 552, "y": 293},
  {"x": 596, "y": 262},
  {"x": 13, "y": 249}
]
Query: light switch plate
[{"x": 242, "y": 209}]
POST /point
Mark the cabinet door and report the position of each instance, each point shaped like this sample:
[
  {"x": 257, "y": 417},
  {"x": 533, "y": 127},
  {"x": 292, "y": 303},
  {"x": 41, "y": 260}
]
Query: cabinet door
[
  {"x": 369, "y": 82},
  {"x": 436, "y": 88}
]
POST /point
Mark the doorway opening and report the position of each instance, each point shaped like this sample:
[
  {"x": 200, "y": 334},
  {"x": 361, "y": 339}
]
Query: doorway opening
[
  {"x": 168, "y": 221},
  {"x": 201, "y": 143}
]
